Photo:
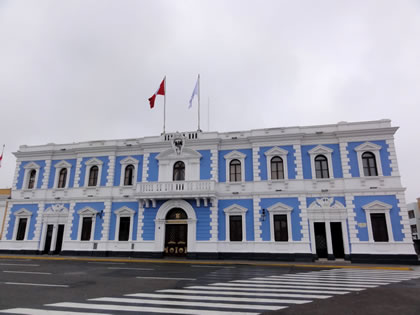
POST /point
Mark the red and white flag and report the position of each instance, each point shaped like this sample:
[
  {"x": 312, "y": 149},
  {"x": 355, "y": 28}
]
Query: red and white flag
[
  {"x": 160, "y": 91},
  {"x": 1, "y": 156}
]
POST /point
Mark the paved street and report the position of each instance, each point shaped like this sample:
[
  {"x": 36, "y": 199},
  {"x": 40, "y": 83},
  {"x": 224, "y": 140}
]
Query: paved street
[{"x": 107, "y": 287}]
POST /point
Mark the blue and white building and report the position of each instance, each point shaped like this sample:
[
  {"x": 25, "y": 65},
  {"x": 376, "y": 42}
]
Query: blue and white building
[{"x": 294, "y": 193}]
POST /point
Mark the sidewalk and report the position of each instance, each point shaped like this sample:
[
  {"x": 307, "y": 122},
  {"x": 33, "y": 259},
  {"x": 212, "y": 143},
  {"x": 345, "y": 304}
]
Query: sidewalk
[{"x": 317, "y": 264}]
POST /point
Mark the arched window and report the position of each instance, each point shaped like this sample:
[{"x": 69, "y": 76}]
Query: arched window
[
  {"x": 277, "y": 170},
  {"x": 31, "y": 180},
  {"x": 176, "y": 214},
  {"x": 179, "y": 171},
  {"x": 128, "y": 175},
  {"x": 93, "y": 176},
  {"x": 321, "y": 167},
  {"x": 235, "y": 171},
  {"x": 62, "y": 177},
  {"x": 369, "y": 164}
]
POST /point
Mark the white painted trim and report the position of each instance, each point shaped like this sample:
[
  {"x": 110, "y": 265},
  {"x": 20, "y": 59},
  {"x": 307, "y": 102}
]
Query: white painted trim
[
  {"x": 86, "y": 212},
  {"x": 378, "y": 207},
  {"x": 124, "y": 212},
  {"x": 235, "y": 209},
  {"x": 22, "y": 214},
  {"x": 88, "y": 165},
  {"x": 28, "y": 167},
  {"x": 368, "y": 147},
  {"x": 276, "y": 151},
  {"x": 58, "y": 167},
  {"x": 321, "y": 150},
  {"x": 235, "y": 155},
  {"x": 280, "y": 208},
  {"x": 124, "y": 163}
]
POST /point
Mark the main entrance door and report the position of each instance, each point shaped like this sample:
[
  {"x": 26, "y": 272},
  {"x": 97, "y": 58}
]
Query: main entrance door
[
  {"x": 337, "y": 239},
  {"x": 59, "y": 242},
  {"x": 321, "y": 240},
  {"x": 176, "y": 229},
  {"x": 48, "y": 238}
]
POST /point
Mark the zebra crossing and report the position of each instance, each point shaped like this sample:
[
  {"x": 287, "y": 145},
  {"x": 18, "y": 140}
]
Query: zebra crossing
[{"x": 253, "y": 295}]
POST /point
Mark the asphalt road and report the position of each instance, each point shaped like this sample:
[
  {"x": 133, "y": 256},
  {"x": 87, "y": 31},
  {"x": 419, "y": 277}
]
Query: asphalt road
[{"x": 80, "y": 287}]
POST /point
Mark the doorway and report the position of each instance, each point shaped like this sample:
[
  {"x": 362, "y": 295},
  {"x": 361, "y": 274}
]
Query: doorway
[
  {"x": 320, "y": 240},
  {"x": 176, "y": 235},
  {"x": 337, "y": 239},
  {"x": 59, "y": 242},
  {"x": 48, "y": 239}
]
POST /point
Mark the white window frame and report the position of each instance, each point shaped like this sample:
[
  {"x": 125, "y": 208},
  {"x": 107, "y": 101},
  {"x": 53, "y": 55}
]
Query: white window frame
[
  {"x": 369, "y": 147},
  {"x": 327, "y": 152},
  {"x": 124, "y": 163},
  {"x": 235, "y": 155},
  {"x": 89, "y": 164},
  {"x": 235, "y": 209},
  {"x": 378, "y": 207},
  {"x": 84, "y": 213},
  {"x": 276, "y": 209},
  {"x": 58, "y": 167},
  {"x": 28, "y": 168},
  {"x": 22, "y": 214},
  {"x": 124, "y": 212},
  {"x": 276, "y": 151}
]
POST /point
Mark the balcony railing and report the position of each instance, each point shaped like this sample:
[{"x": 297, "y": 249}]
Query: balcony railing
[{"x": 184, "y": 187}]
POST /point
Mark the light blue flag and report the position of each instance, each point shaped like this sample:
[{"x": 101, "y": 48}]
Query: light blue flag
[{"x": 195, "y": 92}]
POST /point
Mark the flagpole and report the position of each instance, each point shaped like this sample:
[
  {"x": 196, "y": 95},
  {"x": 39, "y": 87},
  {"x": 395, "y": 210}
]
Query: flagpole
[
  {"x": 208, "y": 114},
  {"x": 199, "y": 102},
  {"x": 164, "y": 105}
]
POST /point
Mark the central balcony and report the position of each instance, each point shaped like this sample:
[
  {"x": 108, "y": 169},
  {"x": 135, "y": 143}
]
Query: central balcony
[{"x": 180, "y": 189}]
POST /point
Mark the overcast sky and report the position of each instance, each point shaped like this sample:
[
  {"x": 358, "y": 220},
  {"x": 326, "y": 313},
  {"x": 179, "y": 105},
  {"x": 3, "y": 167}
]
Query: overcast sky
[{"x": 83, "y": 70}]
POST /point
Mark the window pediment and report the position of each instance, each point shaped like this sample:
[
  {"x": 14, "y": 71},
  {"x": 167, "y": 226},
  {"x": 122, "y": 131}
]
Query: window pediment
[
  {"x": 235, "y": 209},
  {"x": 377, "y": 205},
  {"x": 326, "y": 203},
  {"x": 320, "y": 149},
  {"x": 367, "y": 146},
  {"x": 57, "y": 209},
  {"x": 276, "y": 151},
  {"x": 124, "y": 211},
  {"x": 279, "y": 207},
  {"x": 186, "y": 154},
  {"x": 32, "y": 165},
  {"x": 62, "y": 164},
  {"x": 129, "y": 160},
  {"x": 87, "y": 211},
  {"x": 93, "y": 161},
  {"x": 23, "y": 213},
  {"x": 234, "y": 155}
]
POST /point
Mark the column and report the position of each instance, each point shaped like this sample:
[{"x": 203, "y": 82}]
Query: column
[
  {"x": 54, "y": 238},
  {"x": 329, "y": 240},
  {"x": 107, "y": 221},
  {"x": 257, "y": 221}
]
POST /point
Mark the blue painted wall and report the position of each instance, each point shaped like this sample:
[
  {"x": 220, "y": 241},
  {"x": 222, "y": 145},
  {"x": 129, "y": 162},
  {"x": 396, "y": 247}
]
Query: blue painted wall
[
  {"x": 294, "y": 215},
  {"x": 98, "y": 206},
  {"x": 21, "y": 173},
  {"x": 205, "y": 164},
  {"x": 153, "y": 173},
  {"x": 203, "y": 220},
  {"x": 360, "y": 201},
  {"x": 291, "y": 161},
  {"x": 249, "y": 176},
  {"x": 249, "y": 217},
  {"x": 335, "y": 156},
  {"x": 385, "y": 161},
  {"x": 117, "y": 205},
  {"x": 30, "y": 207},
  {"x": 118, "y": 168},
  {"x": 52, "y": 173},
  {"x": 149, "y": 217},
  {"x": 104, "y": 172}
]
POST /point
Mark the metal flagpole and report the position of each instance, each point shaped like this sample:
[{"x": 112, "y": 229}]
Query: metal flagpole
[
  {"x": 199, "y": 103},
  {"x": 208, "y": 114},
  {"x": 164, "y": 104}
]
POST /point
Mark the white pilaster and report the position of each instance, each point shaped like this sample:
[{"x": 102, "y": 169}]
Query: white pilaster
[
  {"x": 145, "y": 167},
  {"x": 140, "y": 221},
  {"x": 214, "y": 218},
  {"x": 77, "y": 173},
  {"x": 214, "y": 165},
  {"x": 54, "y": 238},
  {"x": 15, "y": 176},
  {"x": 46, "y": 175},
  {"x": 257, "y": 221},
  {"x": 70, "y": 221},
  {"x": 303, "y": 219},
  {"x": 256, "y": 163},
  {"x": 111, "y": 171},
  {"x": 405, "y": 221},
  {"x": 393, "y": 158},
  {"x": 38, "y": 223},
  {"x": 351, "y": 215},
  {"x": 345, "y": 160},
  {"x": 298, "y": 160},
  {"x": 329, "y": 239},
  {"x": 107, "y": 221}
]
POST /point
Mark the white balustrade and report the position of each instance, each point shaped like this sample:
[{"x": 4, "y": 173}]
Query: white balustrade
[{"x": 177, "y": 186}]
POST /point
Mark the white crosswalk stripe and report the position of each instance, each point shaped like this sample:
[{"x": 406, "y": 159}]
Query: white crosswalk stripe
[{"x": 254, "y": 294}]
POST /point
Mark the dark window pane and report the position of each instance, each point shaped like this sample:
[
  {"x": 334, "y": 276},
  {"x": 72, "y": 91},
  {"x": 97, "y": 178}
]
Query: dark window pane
[
  {"x": 20, "y": 236},
  {"x": 280, "y": 228},
  {"x": 31, "y": 181},
  {"x": 235, "y": 171},
  {"x": 277, "y": 170},
  {"x": 62, "y": 178},
  {"x": 369, "y": 164},
  {"x": 128, "y": 175},
  {"x": 179, "y": 171},
  {"x": 379, "y": 229},
  {"x": 93, "y": 176},
  {"x": 235, "y": 228},
  {"x": 176, "y": 214},
  {"x": 124, "y": 232},
  {"x": 86, "y": 228},
  {"x": 321, "y": 167}
]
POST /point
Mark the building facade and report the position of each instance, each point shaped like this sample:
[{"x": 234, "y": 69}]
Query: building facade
[
  {"x": 414, "y": 221},
  {"x": 295, "y": 193},
  {"x": 4, "y": 196}
]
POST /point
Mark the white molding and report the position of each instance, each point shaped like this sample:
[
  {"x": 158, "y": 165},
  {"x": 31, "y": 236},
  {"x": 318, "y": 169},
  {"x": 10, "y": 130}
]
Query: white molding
[
  {"x": 28, "y": 167},
  {"x": 124, "y": 163},
  {"x": 235, "y": 155},
  {"x": 87, "y": 212},
  {"x": 280, "y": 208},
  {"x": 235, "y": 209},
  {"x": 393, "y": 157},
  {"x": 368, "y": 147},
  {"x": 298, "y": 161},
  {"x": 58, "y": 167},
  {"x": 276, "y": 151},
  {"x": 88, "y": 165},
  {"x": 22, "y": 214},
  {"x": 321, "y": 150},
  {"x": 378, "y": 207},
  {"x": 124, "y": 212},
  {"x": 257, "y": 219},
  {"x": 169, "y": 157}
]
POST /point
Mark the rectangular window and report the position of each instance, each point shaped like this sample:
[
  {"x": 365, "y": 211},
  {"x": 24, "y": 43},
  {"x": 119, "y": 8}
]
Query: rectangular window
[
  {"x": 413, "y": 229},
  {"x": 86, "y": 229},
  {"x": 20, "y": 236},
  {"x": 280, "y": 228},
  {"x": 124, "y": 232},
  {"x": 379, "y": 229},
  {"x": 235, "y": 228},
  {"x": 411, "y": 214}
]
